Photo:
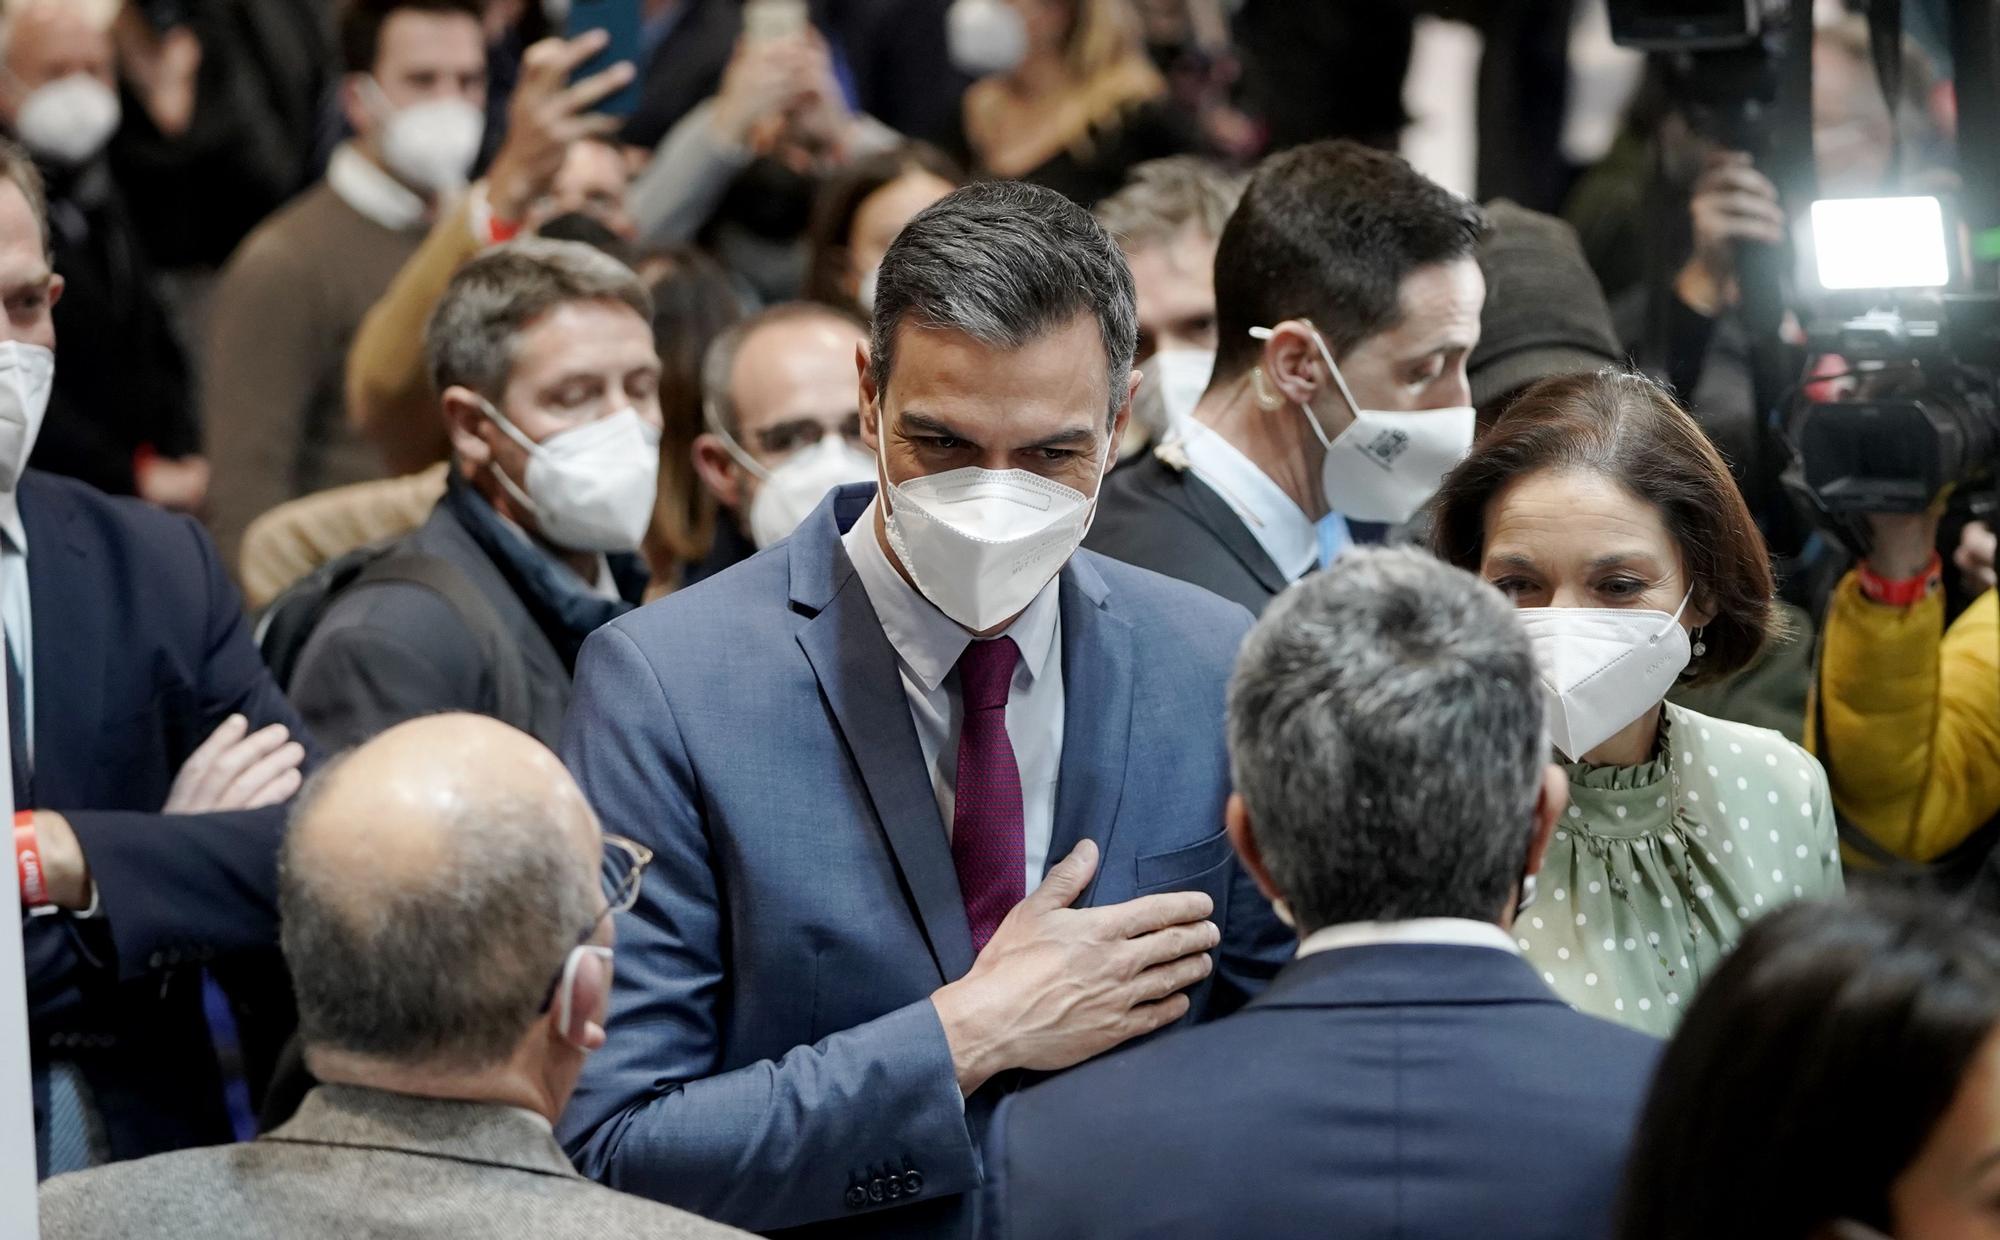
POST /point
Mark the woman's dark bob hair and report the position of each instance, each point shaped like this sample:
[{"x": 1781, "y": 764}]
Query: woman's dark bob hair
[
  {"x": 1811, "y": 1070},
  {"x": 1624, "y": 427}
]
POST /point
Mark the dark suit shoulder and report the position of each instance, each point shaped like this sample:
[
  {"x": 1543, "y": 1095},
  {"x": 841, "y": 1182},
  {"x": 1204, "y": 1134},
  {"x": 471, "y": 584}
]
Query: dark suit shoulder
[{"x": 1164, "y": 608}]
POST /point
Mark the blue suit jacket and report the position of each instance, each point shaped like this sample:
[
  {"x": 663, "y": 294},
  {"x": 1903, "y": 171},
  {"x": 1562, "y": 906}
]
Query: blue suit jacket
[
  {"x": 774, "y": 1059},
  {"x": 1393, "y": 1092},
  {"x": 140, "y": 650}
]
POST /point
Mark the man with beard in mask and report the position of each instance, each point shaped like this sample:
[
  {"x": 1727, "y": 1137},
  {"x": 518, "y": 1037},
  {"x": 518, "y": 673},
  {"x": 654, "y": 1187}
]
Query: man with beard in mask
[
  {"x": 122, "y": 416},
  {"x": 542, "y": 356},
  {"x": 1347, "y": 295},
  {"x": 288, "y": 302},
  {"x": 932, "y": 794},
  {"x": 783, "y": 425}
]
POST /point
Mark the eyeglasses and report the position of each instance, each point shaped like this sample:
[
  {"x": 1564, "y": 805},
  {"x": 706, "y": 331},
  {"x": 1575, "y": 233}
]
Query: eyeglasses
[
  {"x": 619, "y": 876},
  {"x": 788, "y": 437}
]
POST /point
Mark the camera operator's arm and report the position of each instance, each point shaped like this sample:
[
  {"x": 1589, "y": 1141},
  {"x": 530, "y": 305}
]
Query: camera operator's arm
[
  {"x": 1912, "y": 711},
  {"x": 1732, "y": 203}
]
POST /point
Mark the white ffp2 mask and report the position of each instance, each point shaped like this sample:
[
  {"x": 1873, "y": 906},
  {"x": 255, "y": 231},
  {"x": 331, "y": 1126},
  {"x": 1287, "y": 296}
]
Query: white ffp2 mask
[
  {"x": 70, "y": 119},
  {"x": 431, "y": 145},
  {"x": 981, "y": 543},
  {"x": 1173, "y": 382},
  {"x": 27, "y": 374},
  {"x": 984, "y": 37},
  {"x": 1386, "y": 464},
  {"x": 589, "y": 488},
  {"x": 1603, "y": 667},
  {"x": 788, "y": 494}
]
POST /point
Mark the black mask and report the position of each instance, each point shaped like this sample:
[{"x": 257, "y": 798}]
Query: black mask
[{"x": 770, "y": 199}]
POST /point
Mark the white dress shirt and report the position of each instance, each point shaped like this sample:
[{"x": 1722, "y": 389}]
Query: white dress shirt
[
  {"x": 15, "y": 613},
  {"x": 1436, "y": 931},
  {"x": 1280, "y": 526},
  {"x": 928, "y": 643}
]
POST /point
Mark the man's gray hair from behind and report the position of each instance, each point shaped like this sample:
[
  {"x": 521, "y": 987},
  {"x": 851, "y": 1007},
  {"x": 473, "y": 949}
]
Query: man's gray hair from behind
[
  {"x": 1163, "y": 198},
  {"x": 1386, "y": 733},
  {"x": 443, "y": 970},
  {"x": 1006, "y": 263},
  {"x": 504, "y": 291}
]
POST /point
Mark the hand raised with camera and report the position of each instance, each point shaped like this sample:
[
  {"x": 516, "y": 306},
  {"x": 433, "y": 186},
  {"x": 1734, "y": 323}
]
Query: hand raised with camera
[
  {"x": 1733, "y": 202},
  {"x": 1058, "y": 985},
  {"x": 546, "y": 115}
]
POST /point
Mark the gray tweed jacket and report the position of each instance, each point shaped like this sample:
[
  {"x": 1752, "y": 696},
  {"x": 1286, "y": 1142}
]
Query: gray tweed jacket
[{"x": 363, "y": 1163}]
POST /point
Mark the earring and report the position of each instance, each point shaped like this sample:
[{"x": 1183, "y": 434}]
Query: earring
[
  {"x": 1700, "y": 647},
  {"x": 1266, "y": 398}
]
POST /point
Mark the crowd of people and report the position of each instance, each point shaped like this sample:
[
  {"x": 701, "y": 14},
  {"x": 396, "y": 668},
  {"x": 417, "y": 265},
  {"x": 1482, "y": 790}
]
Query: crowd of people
[{"x": 961, "y": 618}]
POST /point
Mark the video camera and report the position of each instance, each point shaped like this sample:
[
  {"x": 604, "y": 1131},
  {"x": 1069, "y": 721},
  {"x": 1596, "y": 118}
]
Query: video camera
[{"x": 1923, "y": 417}]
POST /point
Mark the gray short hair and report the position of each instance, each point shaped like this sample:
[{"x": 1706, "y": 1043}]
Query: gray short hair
[
  {"x": 718, "y": 400},
  {"x": 1386, "y": 734},
  {"x": 447, "y": 970},
  {"x": 1006, "y": 262},
  {"x": 498, "y": 295},
  {"x": 1162, "y": 198}
]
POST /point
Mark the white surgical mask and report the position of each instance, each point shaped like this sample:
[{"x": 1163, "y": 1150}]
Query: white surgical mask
[
  {"x": 1603, "y": 667},
  {"x": 27, "y": 372},
  {"x": 1173, "y": 382},
  {"x": 981, "y": 543},
  {"x": 431, "y": 145},
  {"x": 984, "y": 37},
  {"x": 789, "y": 493},
  {"x": 1386, "y": 465},
  {"x": 589, "y": 488},
  {"x": 69, "y": 120}
]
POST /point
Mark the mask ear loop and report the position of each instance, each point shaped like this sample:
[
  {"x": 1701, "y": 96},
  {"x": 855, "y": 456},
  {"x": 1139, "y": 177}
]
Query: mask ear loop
[
  {"x": 1339, "y": 382},
  {"x": 566, "y": 989},
  {"x": 713, "y": 416}
]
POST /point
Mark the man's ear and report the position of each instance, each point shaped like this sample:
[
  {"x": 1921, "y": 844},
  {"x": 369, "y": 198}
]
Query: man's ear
[
  {"x": 589, "y": 1003},
  {"x": 718, "y": 470},
  {"x": 1550, "y": 802},
  {"x": 1243, "y": 838},
  {"x": 871, "y": 408},
  {"x": 354, "y": 104},
  {"x": 56, "y": 286},
  {"x": 465, "y": 423},
  {"x": 1293, "y": 368}
]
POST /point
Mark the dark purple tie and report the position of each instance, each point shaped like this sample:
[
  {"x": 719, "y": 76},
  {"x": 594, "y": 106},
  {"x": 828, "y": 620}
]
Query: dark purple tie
[{"x": 986, "y": 821}]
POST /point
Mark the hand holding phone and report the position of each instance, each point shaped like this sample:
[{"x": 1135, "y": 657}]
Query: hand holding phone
[
  {"x": 547, "y": 114},
  {"x": 620, "y": 24},
  {"x": 768, "y": 20}
]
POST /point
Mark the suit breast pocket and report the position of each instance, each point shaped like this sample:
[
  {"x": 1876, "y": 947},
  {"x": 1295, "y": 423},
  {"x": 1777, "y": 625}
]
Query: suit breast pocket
[{"x": 1201, "y": 866}]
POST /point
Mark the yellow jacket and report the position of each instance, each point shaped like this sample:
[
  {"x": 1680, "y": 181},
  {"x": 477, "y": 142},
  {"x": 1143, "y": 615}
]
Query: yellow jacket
[{"x": 1912, "y": 719}]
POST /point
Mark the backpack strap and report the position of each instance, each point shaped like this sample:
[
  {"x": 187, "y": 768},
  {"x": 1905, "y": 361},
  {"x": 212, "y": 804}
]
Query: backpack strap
[{"x": 513, "y": 703}]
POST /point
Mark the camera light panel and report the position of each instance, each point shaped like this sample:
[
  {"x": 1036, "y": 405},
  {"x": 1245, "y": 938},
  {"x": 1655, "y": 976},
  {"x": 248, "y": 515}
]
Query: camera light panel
[{"x": 1880, "y": 243}]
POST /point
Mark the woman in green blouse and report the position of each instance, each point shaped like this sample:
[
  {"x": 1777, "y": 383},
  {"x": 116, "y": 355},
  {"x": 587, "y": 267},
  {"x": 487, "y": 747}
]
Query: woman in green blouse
[{"x": 1603, "y": 511}]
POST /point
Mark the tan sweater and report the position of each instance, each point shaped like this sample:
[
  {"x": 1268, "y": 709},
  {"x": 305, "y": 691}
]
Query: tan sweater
[{"x": 283, "y": 315}]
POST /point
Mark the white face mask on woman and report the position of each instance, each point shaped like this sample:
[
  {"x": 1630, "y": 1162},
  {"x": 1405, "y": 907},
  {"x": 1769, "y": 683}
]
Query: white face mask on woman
[
  {"x": 981, "y": 543},
  {"x": 589, "y": 488},
  {"x": 984, "y": 37},
  {"x": 1603, "y": 667},
  {"x": 1386, "y": 464}
]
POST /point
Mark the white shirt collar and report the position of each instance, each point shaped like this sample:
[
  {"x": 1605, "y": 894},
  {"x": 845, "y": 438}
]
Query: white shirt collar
[
  {"x": 11, "y": 528},
  {"x": 925, "y": 639},
  {"x": 374, "y": 193},
  {"x": 1280, "y": 527},
  {"x": 1437, "y": 931}
]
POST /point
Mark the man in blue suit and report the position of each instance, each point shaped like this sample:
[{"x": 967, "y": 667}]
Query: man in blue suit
[
  {"x": 933, "y": 798},
  {"x": 1408, "y": 1076},
  {"x": 138, "y": 707}
]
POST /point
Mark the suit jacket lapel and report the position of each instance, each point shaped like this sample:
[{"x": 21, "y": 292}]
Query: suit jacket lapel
[
  {"x": 1097, "y": 715},
  {"x": 67, "y": 610},
  {"x": 1215, "y": 513},
  {"x": 856, "y": 669}
]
